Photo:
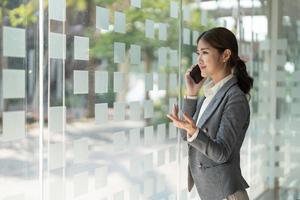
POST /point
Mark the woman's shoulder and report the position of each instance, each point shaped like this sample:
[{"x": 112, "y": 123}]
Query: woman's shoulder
[{"x": 235, "y": 92}]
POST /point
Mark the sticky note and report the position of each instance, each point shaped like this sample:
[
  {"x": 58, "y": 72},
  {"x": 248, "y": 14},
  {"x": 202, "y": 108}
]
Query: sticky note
[
  {"x": 160, "y": 184},
  {"x": 135, "y": 167},
  {"x": 148, "y": 81},
  {"x": 101, "y": 113},
  {"x": 102, "y": 18},
  {"x": 55, "y": 156},
  {"x": 135, "y": 3},
  {"x": 57, "y": 45},
  {"x": 57, "y": 10},
  {"x": 162, "y": 56},
  {"x": 80, "y": 184},
  {"x": 81, "y": 82},
  {"x": 196, "y": 34},
  {"x": 161, "y": 157},
  {"x": 173, "y": 81},
  {"x": 148, "y": 135},
  {"x": 183, "y": 194},
  {"x": 80, "y": 151},
  {"x": 172, "y": 197},
  {"x": 148, "y": 109},
  {"x": 15, "y": 197},
  {"x": 118, "y": 81},
  {"x": 119, "y": 195},
  {"x": 186, "y": 13},
  {"x": 172, "y": 131},
  {"x": 120, "y": 22},
  {"x": 173, "y": 58},
  {"x": 184, "y": 150},
  {"x": 174, "y": 9},
  {"x": 162, "y": 81},
  {"x": 13, "y": 37},
  {"x": 13, "y": 126},
  {"x": 186, "y": 36},
  {"x": 295, "y": 108},
  {"x": 149, "y": 31},
  {"x": 134, "y": 192},
  {"x": 101, "y": 177},
  {"x": 119, "y": 111},
  {"x": 56, "y": 118},
  {"x": 134, "y": 137},
  {"x": 135, "y": 54},
  {"x": 135, "y": 110},
  {"x": 81, "y": 48},
  {"x": 101, "y": 82},
  {"x": 162, "y": 31},
  {"x": 119, "y": 52},
  {"x": 148, "y": 186},
  {"x": 172, "y": 153},
  {"x": 282, "y": 44},
  {"x": 195, "y": 57},
  {"x": 161, "y": 133},
  {"x": 172, "y": 101},
  {"x": 13, "y": 83},
  {"x": 148, "y": 162},
  {"x": 56, "y": 189},
  {"x": 119, "y": 141}
]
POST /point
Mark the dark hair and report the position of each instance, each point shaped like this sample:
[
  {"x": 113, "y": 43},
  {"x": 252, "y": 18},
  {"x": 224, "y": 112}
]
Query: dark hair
[{"x": 221, "y": 39}]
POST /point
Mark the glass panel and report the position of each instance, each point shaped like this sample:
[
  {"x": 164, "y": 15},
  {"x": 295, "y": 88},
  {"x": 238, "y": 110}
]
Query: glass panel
[
  {"x": 109, "y": 92},
  {"x": 19, "y": 95},
  {"x": 112, "y": 71}
]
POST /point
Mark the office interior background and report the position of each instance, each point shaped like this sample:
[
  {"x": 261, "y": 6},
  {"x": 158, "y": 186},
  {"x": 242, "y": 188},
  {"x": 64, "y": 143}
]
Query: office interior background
[{"x": 86, "y": 86}]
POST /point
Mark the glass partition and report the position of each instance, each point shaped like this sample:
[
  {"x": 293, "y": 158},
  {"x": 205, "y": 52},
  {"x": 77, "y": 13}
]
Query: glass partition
[{"x": 86, "y": 118}]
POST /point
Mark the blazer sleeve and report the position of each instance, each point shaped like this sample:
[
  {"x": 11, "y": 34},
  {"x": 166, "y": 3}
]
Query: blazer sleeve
[
  {"x": 234, "y": 121},
  {"x": 189, "y": 106}
]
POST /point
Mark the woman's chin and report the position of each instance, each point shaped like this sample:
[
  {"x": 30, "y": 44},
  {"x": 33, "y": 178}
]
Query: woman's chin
[{"x": 204, "y": 75}]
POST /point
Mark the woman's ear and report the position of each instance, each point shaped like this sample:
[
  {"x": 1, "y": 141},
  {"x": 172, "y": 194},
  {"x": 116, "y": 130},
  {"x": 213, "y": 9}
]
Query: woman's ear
[{"x": 226, "y": 55}]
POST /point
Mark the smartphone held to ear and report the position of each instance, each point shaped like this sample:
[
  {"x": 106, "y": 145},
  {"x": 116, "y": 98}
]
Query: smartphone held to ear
[{"x": 196, "y": 74}]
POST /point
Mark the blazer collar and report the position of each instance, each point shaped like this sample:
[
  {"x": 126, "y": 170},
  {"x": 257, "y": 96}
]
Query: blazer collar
[{"x": 213, "y": 104}]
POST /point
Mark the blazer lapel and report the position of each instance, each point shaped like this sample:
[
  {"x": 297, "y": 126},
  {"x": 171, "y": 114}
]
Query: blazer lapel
[{"x": 211, "y": 107}]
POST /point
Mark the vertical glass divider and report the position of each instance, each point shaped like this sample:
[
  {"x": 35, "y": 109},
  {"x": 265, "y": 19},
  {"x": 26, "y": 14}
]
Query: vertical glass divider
[
  {"x": 41, "y": 96},
  {"x": 179, "y": 100}
]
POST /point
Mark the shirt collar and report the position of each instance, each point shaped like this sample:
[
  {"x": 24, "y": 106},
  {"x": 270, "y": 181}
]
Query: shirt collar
[{"x": 210, "y": 89}]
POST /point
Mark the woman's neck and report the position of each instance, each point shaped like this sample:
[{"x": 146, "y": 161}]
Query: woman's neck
[{"x": 218, "y": 77}]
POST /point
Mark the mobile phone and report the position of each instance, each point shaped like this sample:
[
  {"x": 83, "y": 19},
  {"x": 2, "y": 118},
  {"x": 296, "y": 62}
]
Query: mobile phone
[{"x": 196, "y": 74}]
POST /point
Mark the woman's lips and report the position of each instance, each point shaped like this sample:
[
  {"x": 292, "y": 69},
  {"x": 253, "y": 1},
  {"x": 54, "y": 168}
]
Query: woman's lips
[{"x": 202, "y": 67}]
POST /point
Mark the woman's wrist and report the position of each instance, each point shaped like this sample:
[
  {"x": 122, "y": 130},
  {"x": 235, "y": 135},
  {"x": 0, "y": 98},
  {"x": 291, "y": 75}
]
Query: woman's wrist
[
  {"x": 191, "y": 94},
  {"x": 192, "y": 131}
]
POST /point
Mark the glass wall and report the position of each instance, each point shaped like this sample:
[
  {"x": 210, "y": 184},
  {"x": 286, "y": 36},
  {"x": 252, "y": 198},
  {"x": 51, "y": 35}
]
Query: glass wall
[{"x": 86, "y": 86}]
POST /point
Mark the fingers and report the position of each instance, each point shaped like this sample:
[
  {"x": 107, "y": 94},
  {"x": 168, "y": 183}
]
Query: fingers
[
  {"x": 189, "y": 70},
  {"x": 175, "y": 110},
  {"x": 187, "y": 117},
  {"x": 176, "y": 121},
  {"x": 173, "y": 118}
]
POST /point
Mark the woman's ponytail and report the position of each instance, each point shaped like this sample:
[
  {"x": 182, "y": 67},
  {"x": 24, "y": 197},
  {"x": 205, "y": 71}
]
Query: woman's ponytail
[{"x": 244, "y": 80}]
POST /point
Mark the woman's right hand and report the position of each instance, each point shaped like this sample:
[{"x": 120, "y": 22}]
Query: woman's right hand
[{"x": 192, "y": 87}]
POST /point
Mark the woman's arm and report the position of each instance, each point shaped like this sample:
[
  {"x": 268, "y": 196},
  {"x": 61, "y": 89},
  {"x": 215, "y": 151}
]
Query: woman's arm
[{"x": 234, "y": 120}]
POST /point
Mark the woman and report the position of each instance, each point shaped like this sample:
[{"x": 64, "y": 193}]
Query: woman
[{"x": 214, "y": 126}]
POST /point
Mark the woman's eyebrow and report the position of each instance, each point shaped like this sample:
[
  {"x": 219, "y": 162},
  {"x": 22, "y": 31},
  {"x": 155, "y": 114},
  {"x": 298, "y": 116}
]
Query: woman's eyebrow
[{"x": 202, "y": 49}]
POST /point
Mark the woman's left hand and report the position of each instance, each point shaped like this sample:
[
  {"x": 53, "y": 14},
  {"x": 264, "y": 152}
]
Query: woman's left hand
[{"x": 186, "y": 124}]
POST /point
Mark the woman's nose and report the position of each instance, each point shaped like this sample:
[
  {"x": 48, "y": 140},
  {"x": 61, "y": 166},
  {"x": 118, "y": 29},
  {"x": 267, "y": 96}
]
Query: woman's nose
[{"x": 200, "y": 59}]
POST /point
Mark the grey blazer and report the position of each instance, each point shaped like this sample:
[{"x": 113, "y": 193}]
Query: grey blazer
[{"x": 214, "y": 156}]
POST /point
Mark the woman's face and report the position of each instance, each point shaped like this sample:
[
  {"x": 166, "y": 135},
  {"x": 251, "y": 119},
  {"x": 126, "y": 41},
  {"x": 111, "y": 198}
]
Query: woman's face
[{"x": 209, "y": 59}]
